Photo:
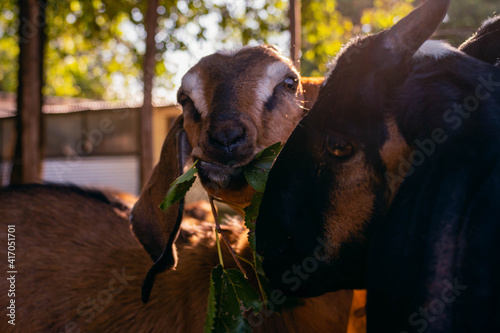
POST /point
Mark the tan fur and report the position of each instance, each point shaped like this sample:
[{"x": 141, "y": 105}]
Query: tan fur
[
  {"x": 353, "y": 204},
  {"x": 357, "y": 316},
  {"x": 252, "y": 82},
  {"x": 310, "y": 86},
  {"x": 69, "y": 249},
  {"x": 354, "y": 197},
  {"x": 248, "y": 77},
  {"x": 393, "y": 148}
]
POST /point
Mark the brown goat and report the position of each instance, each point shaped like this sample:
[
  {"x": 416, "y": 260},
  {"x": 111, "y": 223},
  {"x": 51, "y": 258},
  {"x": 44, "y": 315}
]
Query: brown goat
[
  {"x": 81, "y": 270},
  {"x": 234, "y": 105}
]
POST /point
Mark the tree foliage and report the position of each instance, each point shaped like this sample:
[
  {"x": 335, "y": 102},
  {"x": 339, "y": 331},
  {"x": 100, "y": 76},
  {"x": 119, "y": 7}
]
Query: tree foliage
[
  {"x": 464, "y": 17},
  {"x": 9, "y": 50},
  {"x": 328, "y": 24},
  {"x": 95, "y": 47}
]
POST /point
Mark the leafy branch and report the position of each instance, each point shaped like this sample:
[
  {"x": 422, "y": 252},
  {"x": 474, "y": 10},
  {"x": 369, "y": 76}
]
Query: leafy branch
[
  {"x": 179, "y": 187},
  {"x": 230, "y": 293}
]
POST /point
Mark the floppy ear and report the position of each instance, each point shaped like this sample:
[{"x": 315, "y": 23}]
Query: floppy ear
[
  {"x": 438, "y": 247},
  {"x": 154, "y": 228}
]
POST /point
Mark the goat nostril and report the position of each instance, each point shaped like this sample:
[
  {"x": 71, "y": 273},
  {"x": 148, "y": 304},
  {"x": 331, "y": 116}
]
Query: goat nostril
[{"x": 228, "y": 136}]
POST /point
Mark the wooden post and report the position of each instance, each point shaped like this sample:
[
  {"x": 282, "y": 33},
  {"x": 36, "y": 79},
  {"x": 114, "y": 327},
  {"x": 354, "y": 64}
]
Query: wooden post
[
  {"x": 295, "y": 32},
  {"x": 27, "y": 160},
  {"x": 146, "y": 118}
]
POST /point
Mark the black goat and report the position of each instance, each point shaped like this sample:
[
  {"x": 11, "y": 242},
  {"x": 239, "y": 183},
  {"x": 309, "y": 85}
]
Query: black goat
[
  {"x": 485, "y": 43},
  {"x": 392, "y": 182}
]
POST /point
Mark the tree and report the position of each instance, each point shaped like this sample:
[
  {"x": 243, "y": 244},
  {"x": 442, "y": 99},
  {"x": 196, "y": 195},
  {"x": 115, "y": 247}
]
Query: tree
[
  {"x": 27, "y": 160},
  {"x": 147, "y": 105},
  {"x": 295, "y": 31}
]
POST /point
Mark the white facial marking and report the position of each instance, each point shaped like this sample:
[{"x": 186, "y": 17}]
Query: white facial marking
[
  {"x": 436, "y": 49},
  {"x": 276, "y": 72},
  {"x": 193, "y": 86}
]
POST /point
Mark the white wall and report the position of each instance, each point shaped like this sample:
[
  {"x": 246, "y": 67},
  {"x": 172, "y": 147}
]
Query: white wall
[{"x": 116, "y": 173}]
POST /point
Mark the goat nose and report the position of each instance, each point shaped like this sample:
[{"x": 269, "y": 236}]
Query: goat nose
[{"x": 228, "y": 136}]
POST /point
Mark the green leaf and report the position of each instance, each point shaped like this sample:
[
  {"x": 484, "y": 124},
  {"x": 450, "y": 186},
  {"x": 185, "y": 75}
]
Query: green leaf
[
  {"x": 271, "y": 151},
  {"x": 257, "y": 171},
  {"x": 247, "y": 295},
  {"x": 228, "y": 313},
  {"x": 233, "y": 295},
  {"x": 258, "y": 265},
  {"x": 211, "y": 308},
  {"x": 179, "y": 188},
  {"x": 251, "y": 213}
]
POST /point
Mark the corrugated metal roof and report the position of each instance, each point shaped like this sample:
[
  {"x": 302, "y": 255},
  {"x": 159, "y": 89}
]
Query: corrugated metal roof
[{"x": 58, "y": 105}]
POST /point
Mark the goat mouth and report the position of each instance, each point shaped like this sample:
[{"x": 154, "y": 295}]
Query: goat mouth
[{"x": 220, "y": 176}]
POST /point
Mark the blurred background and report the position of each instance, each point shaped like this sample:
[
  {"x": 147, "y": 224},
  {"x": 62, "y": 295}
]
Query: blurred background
[{"x": 87, "y": 87}]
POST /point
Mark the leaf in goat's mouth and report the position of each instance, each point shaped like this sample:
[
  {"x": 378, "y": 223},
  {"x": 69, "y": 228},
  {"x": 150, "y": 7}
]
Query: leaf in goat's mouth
[
  {"x": 257, "y": 171},
  {"x": 179, "y": 188}
]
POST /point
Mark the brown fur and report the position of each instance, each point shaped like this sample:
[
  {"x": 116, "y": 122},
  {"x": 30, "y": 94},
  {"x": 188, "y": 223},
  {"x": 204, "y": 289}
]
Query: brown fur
[
  {"x": 151, "y": 225},
  {"x": 310, "y": 87},
  {"x": 247, "y": 70},
  {"x": 345, "y": 221},
  {"x": 357, "y": 316},
  {"x": 227, "y": 90},
  {"x": 353, "y": 200},
  {"x": 71, "y": 245},
  {"x": 393, "y": 149}
]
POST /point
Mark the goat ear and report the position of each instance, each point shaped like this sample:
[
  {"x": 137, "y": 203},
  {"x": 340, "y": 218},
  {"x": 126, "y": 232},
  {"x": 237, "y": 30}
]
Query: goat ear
[
  {"x": 412, "y": 31},
  {"x": 154, "y": 228}
]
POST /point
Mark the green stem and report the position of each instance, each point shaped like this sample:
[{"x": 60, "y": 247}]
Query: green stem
[
  {"x": 245, "y": 260},
  {"x": 219, "y": 249},
  {"x": 262, "y": 293},
  {"x": 218, "y": 230}
]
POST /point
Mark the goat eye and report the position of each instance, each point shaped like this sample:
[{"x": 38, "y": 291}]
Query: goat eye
[
  {"x": 188, "y": 107},
  {"x": 339, "y": 147},
  {"x": 183, "y": 99},
  {"x": 291, "y": 84}
]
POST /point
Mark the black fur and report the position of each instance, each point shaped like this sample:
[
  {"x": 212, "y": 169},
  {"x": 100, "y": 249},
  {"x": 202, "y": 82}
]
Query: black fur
[
  {"x": 441, "y": 232},
  {"x": 485, "y": 43},
  {"x": 443, "y": 227}
]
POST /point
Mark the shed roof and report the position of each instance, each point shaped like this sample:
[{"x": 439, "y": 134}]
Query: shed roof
[{"x": 58, "y": 105}]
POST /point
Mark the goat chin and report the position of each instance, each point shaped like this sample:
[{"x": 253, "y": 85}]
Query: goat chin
[{"x": 81, "y": 269}]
